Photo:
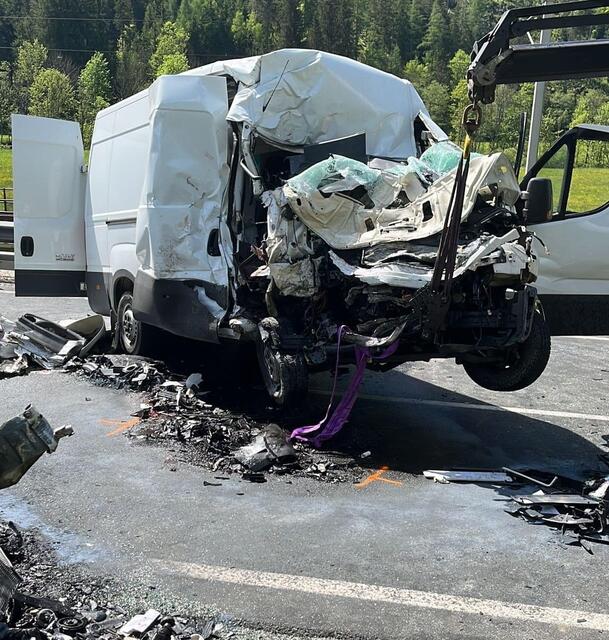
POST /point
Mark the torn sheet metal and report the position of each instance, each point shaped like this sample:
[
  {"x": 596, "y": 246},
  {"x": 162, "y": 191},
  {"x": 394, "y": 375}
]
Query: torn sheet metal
[
  {"x": 184, "y": 190},
  {"x": 302, "y": 97},
  {"x": 23, "y": 440},
  {"x": 488, "y": 250},
  {"x": 345, "y": 222},
  {"x": 448, "y": 476}
]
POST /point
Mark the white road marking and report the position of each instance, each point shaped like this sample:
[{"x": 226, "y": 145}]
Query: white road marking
[
  {"x": 478, "y": 407},
  {"x": 391, "y": 595},
  {"x": 603, "y": 338}
]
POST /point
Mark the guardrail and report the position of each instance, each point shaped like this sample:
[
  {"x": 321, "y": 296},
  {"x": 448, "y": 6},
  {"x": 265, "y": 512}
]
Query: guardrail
[{"x": 7, "y": 232}]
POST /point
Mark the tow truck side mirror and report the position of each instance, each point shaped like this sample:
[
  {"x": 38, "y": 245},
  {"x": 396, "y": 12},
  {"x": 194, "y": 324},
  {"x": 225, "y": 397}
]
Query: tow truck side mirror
[{"x": 538, "y": 201}]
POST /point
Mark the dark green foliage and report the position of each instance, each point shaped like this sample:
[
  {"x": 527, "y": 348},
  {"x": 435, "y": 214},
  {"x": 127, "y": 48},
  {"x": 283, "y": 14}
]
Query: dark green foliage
[{"x": 426, "y": 41}]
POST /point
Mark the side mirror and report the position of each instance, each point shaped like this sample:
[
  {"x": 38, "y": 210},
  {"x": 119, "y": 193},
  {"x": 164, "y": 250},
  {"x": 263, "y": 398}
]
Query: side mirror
[{"x": 539, "y": 201}]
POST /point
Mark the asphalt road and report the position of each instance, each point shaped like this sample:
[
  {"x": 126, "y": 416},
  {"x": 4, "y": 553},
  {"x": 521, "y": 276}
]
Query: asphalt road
[{"x": 401, "y": 559}]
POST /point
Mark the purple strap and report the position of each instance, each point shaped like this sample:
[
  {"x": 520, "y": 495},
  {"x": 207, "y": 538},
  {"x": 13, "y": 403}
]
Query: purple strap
[{"x": 329, "y": 426}]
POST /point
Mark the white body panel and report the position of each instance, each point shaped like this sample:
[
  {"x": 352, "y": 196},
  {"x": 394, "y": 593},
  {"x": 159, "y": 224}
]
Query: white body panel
[
  {"x": 578, "y": 259},
  {"x": 119, "y": 152},
  {"x": 302, "y": 96},
  {"x": 49, "y": 196},
  {"x": 185, "y": 180}
]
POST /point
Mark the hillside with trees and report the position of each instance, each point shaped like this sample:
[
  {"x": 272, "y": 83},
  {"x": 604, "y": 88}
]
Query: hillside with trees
[{"x": 70, "y": 58}]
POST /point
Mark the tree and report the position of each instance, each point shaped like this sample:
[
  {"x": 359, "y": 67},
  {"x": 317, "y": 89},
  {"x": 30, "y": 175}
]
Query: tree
[
  {"x": 170, "y": 51},
  {"x": 52, "y": 95},
  {"x": 94, "y": 92},
  {"x": 435, "y": 42},
  {"x": 208, "y": 23},
  {"x": 331, "y": 26},
  {"x": 458, "y": 66},
  {"x": 132, "y": 70},
  {"x": 31, "y": 58},
  {"x": 417, "y": 19},
  {"x": 246, "y": 33},
  {"x": 123, "y": 14},
  {"x": 172, "y": 64},
  {"x": 417, "y": 73},
  {"x": 435, "y": 98},
  {"x": 73, "y": 37},
  {"x": 288, "y": 23},
  {"x": 7, "y": 98}
]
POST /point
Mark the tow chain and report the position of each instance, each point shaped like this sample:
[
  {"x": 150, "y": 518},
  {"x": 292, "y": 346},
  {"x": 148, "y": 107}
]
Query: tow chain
[{"x": 442, "y": 277}]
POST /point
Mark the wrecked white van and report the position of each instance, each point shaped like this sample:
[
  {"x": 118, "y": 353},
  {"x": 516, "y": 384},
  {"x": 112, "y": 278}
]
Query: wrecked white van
[{"x": 295, "y": 200}]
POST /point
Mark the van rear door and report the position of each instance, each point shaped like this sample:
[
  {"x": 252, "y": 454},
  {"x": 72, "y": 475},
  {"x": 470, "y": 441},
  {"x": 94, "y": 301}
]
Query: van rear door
[{"x": 49, "y": 187}]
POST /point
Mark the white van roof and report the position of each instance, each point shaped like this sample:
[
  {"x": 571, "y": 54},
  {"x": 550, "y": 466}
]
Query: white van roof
[{"x": 303, "y": 96}]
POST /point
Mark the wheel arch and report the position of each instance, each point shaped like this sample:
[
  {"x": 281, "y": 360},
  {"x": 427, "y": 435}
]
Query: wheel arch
[{"x": 122, "y": 282}]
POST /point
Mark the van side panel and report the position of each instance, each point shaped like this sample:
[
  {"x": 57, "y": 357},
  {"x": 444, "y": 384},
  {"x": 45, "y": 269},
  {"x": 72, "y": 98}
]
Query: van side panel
[{"x": 118, "y": 159}]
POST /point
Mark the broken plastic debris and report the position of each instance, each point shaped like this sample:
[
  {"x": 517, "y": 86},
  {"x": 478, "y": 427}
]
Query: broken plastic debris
[{"x": 140, "y": 623}]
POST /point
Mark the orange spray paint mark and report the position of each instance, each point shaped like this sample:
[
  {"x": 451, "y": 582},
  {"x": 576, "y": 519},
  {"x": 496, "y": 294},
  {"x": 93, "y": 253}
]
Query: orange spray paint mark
[
  {"x": 377, "y": 476},
  {"x": 120, "y": 425}
]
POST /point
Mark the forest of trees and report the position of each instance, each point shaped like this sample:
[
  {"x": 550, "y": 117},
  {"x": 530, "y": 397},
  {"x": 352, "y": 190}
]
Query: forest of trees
[{"x": 70, "y": 58}]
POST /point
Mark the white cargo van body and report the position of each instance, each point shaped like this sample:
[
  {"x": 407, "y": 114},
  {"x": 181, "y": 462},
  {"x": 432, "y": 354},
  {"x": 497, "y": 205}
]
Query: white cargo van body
[
  {"x": 277, "y": 200},
  {"x": 152, "y": 216}
]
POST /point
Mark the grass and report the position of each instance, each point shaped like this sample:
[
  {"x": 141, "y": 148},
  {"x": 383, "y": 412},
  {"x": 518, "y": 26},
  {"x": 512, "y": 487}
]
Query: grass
[
  {"x": 589, "y": 187},
  {"x": 6, "y": 167}
]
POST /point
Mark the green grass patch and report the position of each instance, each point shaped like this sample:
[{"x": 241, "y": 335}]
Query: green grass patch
[
  {"x": 6, "y": 167},
  {"x": 589, "y": 188}
]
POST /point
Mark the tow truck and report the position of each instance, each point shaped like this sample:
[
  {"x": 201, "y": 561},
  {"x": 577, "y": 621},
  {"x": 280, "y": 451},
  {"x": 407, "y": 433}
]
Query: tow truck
[{"x": 573, "y": 282}]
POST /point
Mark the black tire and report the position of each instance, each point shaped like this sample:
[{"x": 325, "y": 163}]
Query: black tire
[
  {"x": 285, "y": 375},
  {"x": 529, "y": 361},
  {"x": 134, "y": 337}
]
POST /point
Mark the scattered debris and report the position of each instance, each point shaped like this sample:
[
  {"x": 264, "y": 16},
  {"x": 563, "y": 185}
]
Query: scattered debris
[
  {"x": 23, "y": 440},
  {"x": 79, "y": 607},
  {"x": 577, "y": 510},
  {"x": 208, "y": 421},
  {"x": 579, "y": 513},
  {"x": 36, "y": 341}
]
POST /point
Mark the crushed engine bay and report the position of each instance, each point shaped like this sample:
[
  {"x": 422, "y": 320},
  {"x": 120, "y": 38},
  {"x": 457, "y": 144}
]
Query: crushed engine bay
[{"x": 345, "y": 243}]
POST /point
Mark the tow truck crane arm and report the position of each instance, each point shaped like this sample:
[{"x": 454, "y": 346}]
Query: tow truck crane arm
[{"x": 495, "y": 60}]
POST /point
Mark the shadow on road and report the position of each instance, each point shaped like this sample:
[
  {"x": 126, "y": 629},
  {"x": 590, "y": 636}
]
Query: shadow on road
[{"x": 413, "y": 437}]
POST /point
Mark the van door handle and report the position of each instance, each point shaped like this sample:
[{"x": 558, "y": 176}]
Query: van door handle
[{"x": 27, "y": 246}]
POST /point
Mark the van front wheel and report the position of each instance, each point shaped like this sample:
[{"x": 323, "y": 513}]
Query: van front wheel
[
  {"x": 134, "y": 337},
  {"x": 526, "y": 364},
  {"x": 285, "y": 375}
]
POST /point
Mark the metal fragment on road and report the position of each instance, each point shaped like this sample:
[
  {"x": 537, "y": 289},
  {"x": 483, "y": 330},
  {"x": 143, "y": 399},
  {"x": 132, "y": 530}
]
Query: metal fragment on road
[
  {"x": 557, "y": 498},
  {"x": 530, "y": 479},
  {"x": 567, "y": 519},
  {"x": 448, "y": 476}
]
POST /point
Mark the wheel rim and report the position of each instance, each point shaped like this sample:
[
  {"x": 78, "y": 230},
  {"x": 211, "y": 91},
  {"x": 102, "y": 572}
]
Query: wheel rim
[{"x": 129, "y": 328}]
